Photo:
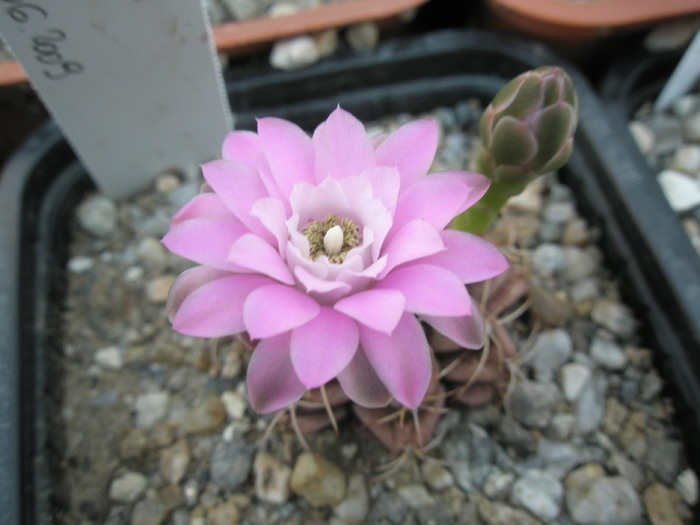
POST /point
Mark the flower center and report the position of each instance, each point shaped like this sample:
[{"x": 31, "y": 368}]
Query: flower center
[{"x": 332, "y": 237}]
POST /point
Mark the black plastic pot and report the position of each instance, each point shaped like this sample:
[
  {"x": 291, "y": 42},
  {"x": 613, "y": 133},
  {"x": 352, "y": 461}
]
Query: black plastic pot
[{"x": 42, "y": 183}]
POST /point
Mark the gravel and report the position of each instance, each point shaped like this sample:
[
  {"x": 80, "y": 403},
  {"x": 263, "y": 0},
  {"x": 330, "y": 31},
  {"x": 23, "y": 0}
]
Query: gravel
[{"x": 153, "y": 427}]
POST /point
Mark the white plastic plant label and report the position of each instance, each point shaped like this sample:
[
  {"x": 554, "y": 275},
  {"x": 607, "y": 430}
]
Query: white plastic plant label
[{"x": 135, "y": 85}]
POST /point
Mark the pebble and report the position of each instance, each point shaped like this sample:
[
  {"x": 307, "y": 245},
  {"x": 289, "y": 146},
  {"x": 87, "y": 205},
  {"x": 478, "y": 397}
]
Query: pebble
[
  {"x": 157, "y": 290},
  {"x": 573, "y": 378},
  {"x": 295, "y": 53},
  {"x": 128, "y": 487},
  {"x": 207, "y": 415},
  {"x": 318, "y": 480},
  {"x": 498, "y": 484},
  {"x": 111, "y": 357},
  {"x": 97, "y": 215},
  {"x": 174, "y": 461},
  {"x": 642, "y": 135},
  {"x": 686, "y": 159},
  {"x": 80, "y": 264},
  {"x": 495, "y": 513},
  {"x": 540, "y": 493},
  {"x": 614, "y": 316},
  {"x": 230, "y": 463},
  {"x": 148, "y": 512},
  {"x": 246, "y": 9},
  {"x": 353, "y": 509},
  {"x": 590, "y": 407},
  {"x": 660, "y": 506},
  {"x": 578, "y": 264},
  {"x": 593, "y": 498},
  {"x": 234, "y": 404},
  {"x": 416, "y": 496},
  {"x": 548, "y": 259},
  {"x": 132, "y": 444},
  {"x": 551, "y": 350},
  {"x": 533, "y": 404},
  {"x": 687, "y": 486},
  {"x": 153, "y": 254},
  {"x": 362, "y": 37},
  {"x": 682, "y": 191},
  {"x": 223, "y": 514},
  {"x": 151, "y": 407},
  {"x": 271, "y": 478},
  {"x": 436, "y": 476},
  {"x": 388, "y": 506},
  {"x": 607, "y": 353}
]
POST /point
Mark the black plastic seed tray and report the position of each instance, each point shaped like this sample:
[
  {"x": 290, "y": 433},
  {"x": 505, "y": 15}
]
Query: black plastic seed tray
[{"x": 41, "y": 184}]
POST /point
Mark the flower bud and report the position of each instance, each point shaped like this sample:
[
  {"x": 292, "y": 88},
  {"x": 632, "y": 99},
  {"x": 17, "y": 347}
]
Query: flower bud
[{"x": 528, "y": 128}]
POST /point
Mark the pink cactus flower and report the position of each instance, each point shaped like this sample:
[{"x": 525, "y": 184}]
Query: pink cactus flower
[{"x": 329, "y": 251}]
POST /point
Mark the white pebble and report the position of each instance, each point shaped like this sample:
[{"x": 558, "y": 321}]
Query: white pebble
[
  {"x": 682, "y": 191},
  {"x": 642, "y": 135},
  {"x": 294, "y": 53},
  {"x": 80, "y": 264},
  {"x": 573, "y": 378},
  {"x": 97, "y": 215},
  {"x": 110, "y": 357},
  {"x": 363, "y": 37}
]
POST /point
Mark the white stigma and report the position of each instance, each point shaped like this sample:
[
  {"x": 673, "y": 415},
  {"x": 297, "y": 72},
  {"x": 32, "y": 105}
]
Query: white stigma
[{"x": 333, "y": 241}]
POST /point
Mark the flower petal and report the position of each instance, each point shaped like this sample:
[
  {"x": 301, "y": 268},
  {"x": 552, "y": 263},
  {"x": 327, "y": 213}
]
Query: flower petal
[
  {"x": 323, "y": 290},
  {"x": 238, "y": 185},
  {"x": 377, "y": 309},
  {"x": 205, "y": 240},
  {"x": 272, "y": 215},
  {"x": 361, "y": 384},
  {"x": 323, "y": 347},
  {"x": 215, "y": 309},
  {"x": 386, "y": 183},
  {"x": 467, "y": 331},
  {"x": 187, "y": 282},
  {"x": 272, "y": 382},
  {"x": 429, "y": 290},
  {"x": 204, "y": 205},
  {"x": 241, "y": 146},
  {"x": 253, "y": 253},
  {"x": 401, "y": 360},
  {"x": 343, "y": 148},
  {"x": 273, "y": 309},
  {"x": 470, "y": 257},
  {"x": 288, "y": 150},
  {"x": 415, "y": 240},
  {"x": 411, "y": 149},
  {"x": 438, "y": 198}
]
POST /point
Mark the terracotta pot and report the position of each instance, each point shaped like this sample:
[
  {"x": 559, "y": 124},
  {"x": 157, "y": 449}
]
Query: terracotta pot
[{"x": 586, "y": 20}]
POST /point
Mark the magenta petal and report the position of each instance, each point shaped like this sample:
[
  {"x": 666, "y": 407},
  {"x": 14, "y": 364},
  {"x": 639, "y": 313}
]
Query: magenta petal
[
  {"x": 429, "y": 290},
  {"x": 436, "y": 198},
  {"x": 467, "y": 331},
  {"x": 360, "y": 383},
  {"x": 253, "y": 253},
  {"x": 238, "y": 185},
  {"x": 187, "y": 282},
  {"x": 401, "y": 360},
  {"x": 411, "y": 149},
  {"x": 273, "y": 217},
  {"x": 205, "y": 241},
  {"x": 470, "y": 257},
  {"x": 215, "y": 309},
  {"x": 342, "y": 147},
  {"x": 378, "y": 309},
  {"x": 415, "y": 240},
  {"x": 385, "y": 183},
  {"x": 272, "y": 382},
  {"x": 323, "y": 347},
  {"x": 241, "y": 146},
  {"x": 202, "y": 206},
  {"x": 273, "y": 309},
  {"x": 478, "y": 184},
  {"x": 288, "y": 150}
]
